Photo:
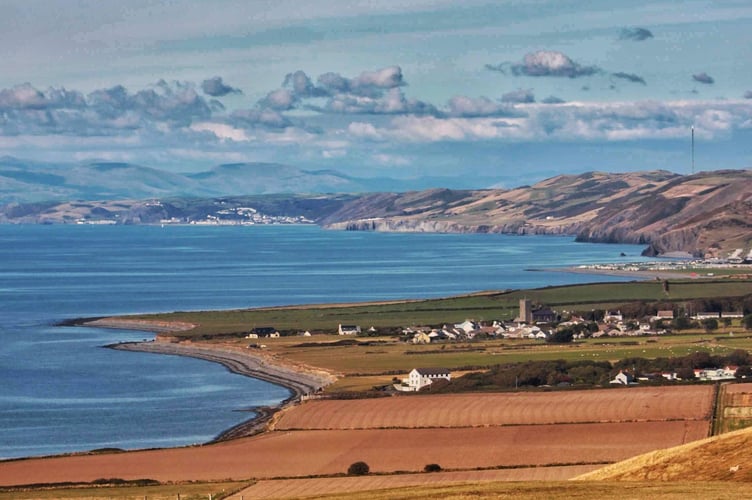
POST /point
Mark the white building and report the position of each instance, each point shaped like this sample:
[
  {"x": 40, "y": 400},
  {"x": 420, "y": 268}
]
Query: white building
[
  {"x": 348, "y": 330},
  {"x": 422, "y": 377}
]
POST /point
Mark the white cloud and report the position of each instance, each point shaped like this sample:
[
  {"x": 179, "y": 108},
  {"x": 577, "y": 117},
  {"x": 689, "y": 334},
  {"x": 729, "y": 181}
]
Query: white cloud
[
  {"x": 222, "y": 131},
  {"x": 391, "y": 160},
  {"x": 365, "y": 130},
  {"x": 546, "y": 63}
]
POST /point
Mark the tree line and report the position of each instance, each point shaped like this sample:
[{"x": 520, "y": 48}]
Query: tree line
[{"x": 592, "y": 373}]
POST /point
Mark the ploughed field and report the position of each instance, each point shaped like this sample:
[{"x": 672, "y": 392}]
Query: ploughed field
[
  {"x": 513, "y": 408},
  {"x": 514, "y": 431}
]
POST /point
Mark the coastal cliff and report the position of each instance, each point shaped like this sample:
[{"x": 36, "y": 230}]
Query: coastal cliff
[{"x": 706, "y": 214}]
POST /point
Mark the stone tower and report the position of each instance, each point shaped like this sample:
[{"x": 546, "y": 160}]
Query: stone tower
[{"x": 526, "y": 311}]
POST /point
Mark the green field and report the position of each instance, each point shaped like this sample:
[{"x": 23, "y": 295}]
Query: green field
[
  {"x": 485, "y": 306},
  {"x": 385, "y": 356}
]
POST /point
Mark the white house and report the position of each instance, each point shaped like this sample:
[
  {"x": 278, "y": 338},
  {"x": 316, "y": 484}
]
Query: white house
[
  {"x": 613, "y": 317},
  {"x": 349, "y": 330},
  {"x": 466, "y": 326},
  {"x": 421, "y": 377},
  {"x": 623, "y": 379}
]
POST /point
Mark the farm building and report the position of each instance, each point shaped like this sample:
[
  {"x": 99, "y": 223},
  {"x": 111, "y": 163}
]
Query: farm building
[
  {"x": 422, "y": 377},
  {"x": 348, "y": 330},
  {"x": 623, "y": 378}
]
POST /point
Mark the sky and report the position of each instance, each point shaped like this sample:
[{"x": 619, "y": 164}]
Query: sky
[{"x": 511, "y": 90}]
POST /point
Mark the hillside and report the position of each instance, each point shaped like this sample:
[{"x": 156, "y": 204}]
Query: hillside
[
  {"x": 721, "y": 458},
  {"x": 705, "y": 213},
  {"x": 23, "y": 181}
]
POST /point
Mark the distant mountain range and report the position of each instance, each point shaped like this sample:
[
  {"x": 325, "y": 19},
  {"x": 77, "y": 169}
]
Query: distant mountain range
[
  {"x": 23, "y": 181},
  {"x": 705, "y": 214}
]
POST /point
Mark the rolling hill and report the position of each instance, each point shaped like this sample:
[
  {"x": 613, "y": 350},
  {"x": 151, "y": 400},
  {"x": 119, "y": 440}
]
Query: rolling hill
[
  {"x": 727, "y": 457},
  {"x": 706, "y": 214}
]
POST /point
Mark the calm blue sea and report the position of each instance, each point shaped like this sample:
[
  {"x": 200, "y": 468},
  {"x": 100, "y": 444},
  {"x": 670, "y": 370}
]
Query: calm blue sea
[{"x": 61, "y": 392}]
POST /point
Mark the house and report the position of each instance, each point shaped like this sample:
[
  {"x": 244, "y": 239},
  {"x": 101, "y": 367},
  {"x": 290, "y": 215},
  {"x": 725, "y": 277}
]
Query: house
[
  {"x": 263, "y": 331},
  {"x": 707, "y": 315},
  {"x": 669, "y": 314},
  {"x": 348, "y": 329},
  {"x": 738, "y": 314},
  {"x": 725, "y": 373},
  {"x": 544, "y": 315},
  {"x": 466, "y": 326},
  {"x": 622, "y": 378},
  {"x": 419, "y": 378},
  {"x": 421, "y": 338},
  {"x": 612, "y": 316}
]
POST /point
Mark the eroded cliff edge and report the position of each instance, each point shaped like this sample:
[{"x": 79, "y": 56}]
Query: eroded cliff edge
[{"x": 705, "y": 214}]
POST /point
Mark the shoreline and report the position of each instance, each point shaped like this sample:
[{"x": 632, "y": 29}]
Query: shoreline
[{"x": 298, "y": 380}]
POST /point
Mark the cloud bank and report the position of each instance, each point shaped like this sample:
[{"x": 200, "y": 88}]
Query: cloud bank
[
  {"x": 335, "y": 118},
  {"x": 546, "y": 63}
]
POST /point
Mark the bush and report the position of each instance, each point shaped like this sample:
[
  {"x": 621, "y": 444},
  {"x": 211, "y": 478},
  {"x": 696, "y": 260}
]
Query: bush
[
  {"x": 432, "y": 468},
  {"x": 358, "y": 469}
]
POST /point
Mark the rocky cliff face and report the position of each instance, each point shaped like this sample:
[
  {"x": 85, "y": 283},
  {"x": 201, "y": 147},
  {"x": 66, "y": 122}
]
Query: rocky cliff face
[{"x": 703, "y": 214}]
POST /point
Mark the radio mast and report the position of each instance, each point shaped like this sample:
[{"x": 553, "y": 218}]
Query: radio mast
[{"x": 693, "y": 149}]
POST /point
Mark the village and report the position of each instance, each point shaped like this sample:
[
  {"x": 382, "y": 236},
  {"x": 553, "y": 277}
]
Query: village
[{"x": 539, "y": 323}]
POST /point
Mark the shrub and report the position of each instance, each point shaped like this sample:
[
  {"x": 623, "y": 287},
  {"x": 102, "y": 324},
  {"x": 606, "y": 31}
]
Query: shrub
[
  {"x": 358, "y": 469},
  {"x": 432, "y": 468}
]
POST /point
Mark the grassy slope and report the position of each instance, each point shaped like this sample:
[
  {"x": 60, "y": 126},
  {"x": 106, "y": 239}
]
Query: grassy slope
[
  {"x": 559, "y": 491},
  {"x": 709, "y": 459}
]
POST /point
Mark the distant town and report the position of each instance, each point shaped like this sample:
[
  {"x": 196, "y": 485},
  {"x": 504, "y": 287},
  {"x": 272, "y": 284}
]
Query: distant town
[
  {"x": 233, "y": 216},
  {"x": 736, "y": 260}
]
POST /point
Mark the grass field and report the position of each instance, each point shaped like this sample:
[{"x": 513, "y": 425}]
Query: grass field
[
  {"x": 484, "y": 306},
  {"x": 379, "y": 359},
  {"x": 186, "y": 491}
]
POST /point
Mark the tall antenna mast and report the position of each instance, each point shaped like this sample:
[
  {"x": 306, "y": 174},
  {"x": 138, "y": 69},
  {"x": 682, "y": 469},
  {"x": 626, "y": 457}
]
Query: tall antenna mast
[{"x": 693, "y": 149}]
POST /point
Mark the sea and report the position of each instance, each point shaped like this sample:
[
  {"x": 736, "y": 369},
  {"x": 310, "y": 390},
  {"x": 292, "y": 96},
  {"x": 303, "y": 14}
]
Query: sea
[{"x": 62, "y": 392}]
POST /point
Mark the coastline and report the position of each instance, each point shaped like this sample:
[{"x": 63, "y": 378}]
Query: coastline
[
  {"x": 298, "y": 380},
  {"x": 637, "y": 275}
]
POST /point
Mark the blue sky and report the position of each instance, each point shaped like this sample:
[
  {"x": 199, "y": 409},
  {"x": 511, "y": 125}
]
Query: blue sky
[{"x": 512, "y": 90}]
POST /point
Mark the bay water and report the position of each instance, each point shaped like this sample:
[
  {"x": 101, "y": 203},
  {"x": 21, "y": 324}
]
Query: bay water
[{"x": 60, "y": 391}]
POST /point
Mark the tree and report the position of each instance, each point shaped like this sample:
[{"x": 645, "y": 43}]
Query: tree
[
  {"x": 747, "y": 321},
  {"x": 743, "y": 372},
  {"x": 710, "y": 324},
  {"x": 685, "y": 373},
  {"x": 681, "y": 323},
  {"x": 562, "y": 336},
  {"x": 432, "y": 468},
  {"x": 358, "y": 469}
]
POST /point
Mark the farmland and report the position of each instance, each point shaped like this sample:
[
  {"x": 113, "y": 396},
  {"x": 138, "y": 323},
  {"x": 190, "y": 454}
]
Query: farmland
[
  {"x": 324, "y": 318},
  {"x": 463, "y": 441},
  {"x": 521, "y": 408}
]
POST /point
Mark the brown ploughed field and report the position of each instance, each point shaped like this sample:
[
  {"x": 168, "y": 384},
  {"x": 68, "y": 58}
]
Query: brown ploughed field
[
  {"x": 473, "y": 410},
  {"x": 459, "y": 432}
]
